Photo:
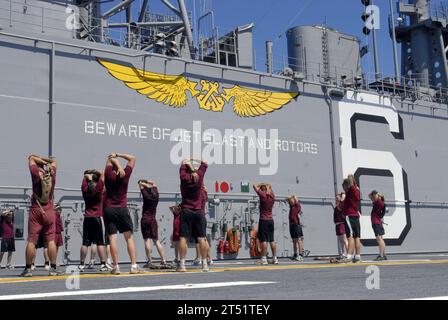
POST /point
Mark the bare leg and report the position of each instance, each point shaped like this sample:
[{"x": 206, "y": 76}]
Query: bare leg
[
  {"x": 381, "y": 245},
  {"x": 358, "y": 246},
  {"x": 128, "y": 236},
  {"x": 295, "y": 246},
  {"x": 300, "y": 246},
  {"x": 183, "y": 248},
  {"x": 345, "y": 243},
  {"x": 203, "y": 247},
  {"x": 46, "y": 257},
  {"x": 52, "y": 252},
  {"x": 273, "y": 248},
  {"x": 160, "y": 250},
  {"x": 264, "y": 249},
  {"x": 83, "y": 254},
  {"x": 30, "y": 253},
  {"x": 113, "y": 248},
  {"x": 93, "y": 250},
  {"x": 351, "y": 246},
  {"x": 198, "y": 251},
  {"x": 9, "y": 257},
  {"x": 176, "y": 250},
  {"x": 102, "y": 253},
  {"x": 1, "y": 256},
  {"x": 148, "y": 249}
]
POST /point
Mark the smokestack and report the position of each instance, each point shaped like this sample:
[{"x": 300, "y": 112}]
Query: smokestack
[{"x": 269, "y": 56}]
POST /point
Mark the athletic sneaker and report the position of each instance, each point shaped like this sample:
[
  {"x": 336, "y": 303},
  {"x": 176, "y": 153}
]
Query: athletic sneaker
[
  {"x": 81, "y": 268},
  {"x": 26, "y": 273},
  {"x": 9, "y": 267},
  {"x": 205, "y": 268},
  {"x": 298, "y": 258},
  {"x": 105, "y": 267},
  {"x": 210, "y": 262},
  {"x": 380, "y": 258},
  {"x": 33, "y": 267},
  {"x": 115, "y": 270},
  {"x": 306, "y": 253},
  {"x": 274, "y": 260},
  {"x": 356, "y": 259},
  {"x": 47, "y": 267},
  {"x": 136, "y": 269},
  {"x": 54, "y": 272},
  {"x": 147, "y": 265},
  {"x": 91, "y": 264},
  {"x": 196, "y": 262},
  {"x": 262, "y": 262},
  {"x": 385, "y": 257},
  {"x": 181, "y": 268}
]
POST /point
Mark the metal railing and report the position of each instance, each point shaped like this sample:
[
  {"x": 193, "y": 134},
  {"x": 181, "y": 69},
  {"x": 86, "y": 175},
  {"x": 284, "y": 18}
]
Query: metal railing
[
  {"x": 242, "y": 196},
  {"x": 406, "y": 88}
]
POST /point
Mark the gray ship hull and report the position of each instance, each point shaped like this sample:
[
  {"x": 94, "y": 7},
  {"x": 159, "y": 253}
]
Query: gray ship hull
[{"x": 57, "y": 98}]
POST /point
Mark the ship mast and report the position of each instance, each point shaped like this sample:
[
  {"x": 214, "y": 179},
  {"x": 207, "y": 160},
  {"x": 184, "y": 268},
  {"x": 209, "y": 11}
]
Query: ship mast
[{"x": 424, "y": 39}]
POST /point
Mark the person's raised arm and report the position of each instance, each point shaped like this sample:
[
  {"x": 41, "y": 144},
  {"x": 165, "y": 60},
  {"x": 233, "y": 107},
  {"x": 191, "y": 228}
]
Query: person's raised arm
[
  {"x": 85, "y": 185},
  {"x": 202, "y": 168},
  {"x": 36, "y": 160},
  {"x": 116, "y": 163},
  {"x": 129, "y": 158},
  {"x": 256, "y": 187},
  {"x": 183, "y": 174}
]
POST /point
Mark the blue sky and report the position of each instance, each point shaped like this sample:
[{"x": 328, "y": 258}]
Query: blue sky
[{"x": 273, "y": 17}]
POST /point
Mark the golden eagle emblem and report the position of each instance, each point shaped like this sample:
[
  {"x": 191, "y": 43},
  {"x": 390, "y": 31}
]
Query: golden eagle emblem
[{"x": 172, "y": 91}]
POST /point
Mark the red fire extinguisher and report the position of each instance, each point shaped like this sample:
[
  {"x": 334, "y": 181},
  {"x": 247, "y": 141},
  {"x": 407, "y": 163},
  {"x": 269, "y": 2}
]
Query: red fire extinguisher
[
  {"x": 227, "y": 247},
  {"x": 221, "y": 246}
]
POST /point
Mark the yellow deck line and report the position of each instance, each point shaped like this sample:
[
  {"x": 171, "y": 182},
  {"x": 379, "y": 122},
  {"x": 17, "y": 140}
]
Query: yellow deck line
[{"x": 245, "y": 268}]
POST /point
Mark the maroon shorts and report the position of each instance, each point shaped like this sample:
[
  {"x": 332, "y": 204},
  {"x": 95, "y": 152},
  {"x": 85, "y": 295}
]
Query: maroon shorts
[
  {"x": 59, "y": 242},
  {"x": 149, "y": 229},
  {"x": 39, "y": 222},
  {"x": 342, "y": 229}
]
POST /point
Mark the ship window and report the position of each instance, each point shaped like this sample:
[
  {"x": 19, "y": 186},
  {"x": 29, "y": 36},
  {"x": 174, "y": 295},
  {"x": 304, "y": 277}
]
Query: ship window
[
  {"x": 436, "y": 64},
  {"x": 435, "y": 49},
  {"x": 439, "y": 85},
  {"x": 438, "y": 75},
  {"x": 410, "y": 73},
  {"x": 409, "y": 50}
]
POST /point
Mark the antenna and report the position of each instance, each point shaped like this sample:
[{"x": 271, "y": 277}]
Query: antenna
[{"x": 394, "y": 41}]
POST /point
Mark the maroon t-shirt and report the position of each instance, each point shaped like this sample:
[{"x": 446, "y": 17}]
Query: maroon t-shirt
[
  {"x": 37, "y": 188},
  {"x": 150, "y": 202},
  {"x": 204, "y": 197},
  {"x": 7, "y": 227},
  {"x": 191, "y": 191},
  {"x": 378, "y": 206},
  {"x": 59, "y": 226},
  {"x": 266, "y": 204},
  {"x": 93, "y": 199},
  {"x": 351, "y": 202},
  {"x": 116, "y": 188},
  {"x": 294, "y": 212},
  {"x": 338, "y": 217}
]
